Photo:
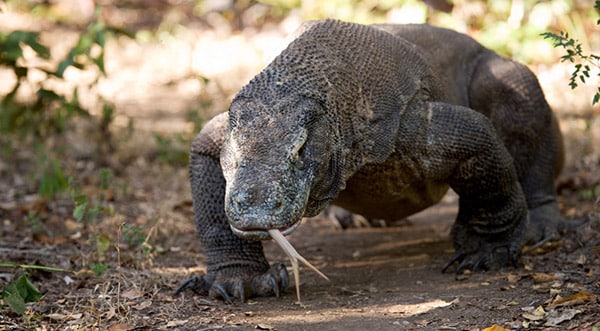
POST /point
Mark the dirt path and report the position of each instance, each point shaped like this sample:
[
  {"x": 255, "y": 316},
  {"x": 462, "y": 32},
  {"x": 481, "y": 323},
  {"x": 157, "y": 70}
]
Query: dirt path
[{"x": 390, "y": 279}]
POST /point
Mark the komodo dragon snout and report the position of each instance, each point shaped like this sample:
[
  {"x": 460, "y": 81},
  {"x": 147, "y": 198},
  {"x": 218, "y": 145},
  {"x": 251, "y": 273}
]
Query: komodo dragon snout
[{"x": 288, "y": 154}]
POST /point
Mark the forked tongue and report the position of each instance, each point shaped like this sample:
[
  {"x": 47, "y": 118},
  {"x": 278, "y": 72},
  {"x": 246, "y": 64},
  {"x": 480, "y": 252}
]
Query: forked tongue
[{"x": 294, "y": 256}]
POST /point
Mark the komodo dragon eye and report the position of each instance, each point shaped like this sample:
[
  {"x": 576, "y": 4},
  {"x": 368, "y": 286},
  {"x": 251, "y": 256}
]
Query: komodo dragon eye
[{"x": 297, "y": 152}]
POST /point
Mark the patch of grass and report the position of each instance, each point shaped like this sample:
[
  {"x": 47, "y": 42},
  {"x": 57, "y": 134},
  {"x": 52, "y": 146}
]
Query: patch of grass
[
  {"x": 53, "y": 180},
  {"x": 98, "y": 268},
  {"x": 172, "y": 149}
]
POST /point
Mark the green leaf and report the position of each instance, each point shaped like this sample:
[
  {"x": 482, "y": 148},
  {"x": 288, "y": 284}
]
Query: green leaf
[
  {"x": 79, "y": 211},
  {"x": 106, "y": 175},
  {"x": 11, "y": 296},
  {"x": 99, "y": 61},
  {"x": 596, "y": 98},
  {"x": 27, "y": 290},
  {"x": 63, "y": 65},
  {"x": 99, "y": 33},
  {"x": 98, "y": 268},
  {"x": 84, "y": 44},
  {"x": 14, "y": 40},
  {"x": 31, "y": 40},
  {"x": 53, "y": 181},
  {"x": 48, "y": 94},
  {"x": 102, "y": 244},
  {"x": 19, "y": 292}
]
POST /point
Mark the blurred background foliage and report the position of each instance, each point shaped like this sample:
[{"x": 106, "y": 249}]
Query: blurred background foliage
[{"x": 511, "y": 27}]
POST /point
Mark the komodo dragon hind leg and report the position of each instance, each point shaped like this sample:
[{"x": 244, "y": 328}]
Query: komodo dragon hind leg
[
  {"x": 510, "y": 95},
  {"x": 463, "y": 150},
  {"x": 236, "y": 267}
]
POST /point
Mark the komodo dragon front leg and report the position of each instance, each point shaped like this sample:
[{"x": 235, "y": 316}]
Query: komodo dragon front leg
[{"x": 236, "y": 267}]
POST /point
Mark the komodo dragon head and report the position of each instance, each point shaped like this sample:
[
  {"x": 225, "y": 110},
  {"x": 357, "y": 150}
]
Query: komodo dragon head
[{"x": 278, "y": 163}]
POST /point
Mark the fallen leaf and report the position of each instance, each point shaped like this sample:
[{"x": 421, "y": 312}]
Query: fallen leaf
[
  {"x": 63, "y": 317},
  {"x": 566, "y": 315},
  {"x": 109, "y": 314},
  {"x": 536, "y": 314},
  {"x": 68, "y": 280},
  {"x": 464, "y": 276},
  {"x": 176, "y": 323},
  {"x": 57, "y": 317},
  {"x": 495, "y": 327},
  {"x": 131, "y": 294},
  {"x": 143, "y": 304},
  {"x": 513, "y": 278},
  {"x": 8, "y": 205},
  {"x": 542, "y": 277},
  {"x": 572, "y": 300},
  {"x": 265, "y": 327}
]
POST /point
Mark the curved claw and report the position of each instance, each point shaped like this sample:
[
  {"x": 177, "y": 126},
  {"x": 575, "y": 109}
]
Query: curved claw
[
  {"x": 462, "y": 266},
  {"x": 480, "y": 263},
  {"x": 197, "y": 284},
  {"x": 456, "y": 257},
  {"x": 217, "y": 290},
  {"x": 273, "y": 283},
  {"x": 538, "y": 245}
]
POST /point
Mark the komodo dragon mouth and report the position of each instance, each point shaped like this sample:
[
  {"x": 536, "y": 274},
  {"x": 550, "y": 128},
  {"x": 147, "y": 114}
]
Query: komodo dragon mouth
[{"x": 263, "y": 234}]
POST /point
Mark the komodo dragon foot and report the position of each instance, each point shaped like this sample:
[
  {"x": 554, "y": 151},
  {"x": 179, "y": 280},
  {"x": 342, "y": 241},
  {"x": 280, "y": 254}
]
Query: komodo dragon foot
[
  {"x": 547, "y": 224},
  {"x": 488, "y": 255},
  {"x": 237, "y": 282},
  {"x": 478, "y": 251}
]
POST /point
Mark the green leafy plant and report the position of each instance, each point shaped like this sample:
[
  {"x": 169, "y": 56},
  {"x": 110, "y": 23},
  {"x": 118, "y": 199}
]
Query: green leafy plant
[
  {"x": 53, "y": 180},
  {"x": 172, "y": 149},
  {"x": 583, "y": 62},
  {"x": 20, "y": 292},
  {"x": 48, "y": 111},
  {"x": 106, "y": 175},
  {"x": 98, "y": 268},
  {"x": 133, "y": 235},
  {"x": 85, "y": 209}
]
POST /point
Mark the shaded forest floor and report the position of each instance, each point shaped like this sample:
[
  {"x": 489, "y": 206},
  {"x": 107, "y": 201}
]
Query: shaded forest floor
[{"x": 143, "y": 233}]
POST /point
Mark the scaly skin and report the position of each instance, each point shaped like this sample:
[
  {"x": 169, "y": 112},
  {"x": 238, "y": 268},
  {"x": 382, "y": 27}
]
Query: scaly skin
[{"x": 355, "y": 116}]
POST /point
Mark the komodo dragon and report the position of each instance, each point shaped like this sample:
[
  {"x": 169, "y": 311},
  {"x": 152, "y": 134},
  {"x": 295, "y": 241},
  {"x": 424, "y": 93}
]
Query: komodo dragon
[{"x": 374, "y": 119}]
